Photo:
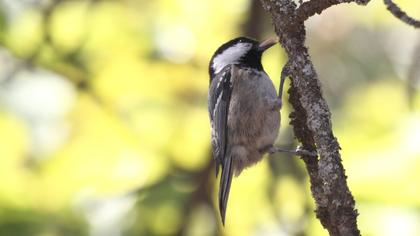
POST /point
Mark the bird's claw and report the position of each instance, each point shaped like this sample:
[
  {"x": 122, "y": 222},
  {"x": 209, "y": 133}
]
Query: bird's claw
[{"x": 303, "y": 152}]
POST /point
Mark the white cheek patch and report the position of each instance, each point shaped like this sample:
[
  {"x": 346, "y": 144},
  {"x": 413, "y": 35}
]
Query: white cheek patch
[{"x": 230, "y": 56}]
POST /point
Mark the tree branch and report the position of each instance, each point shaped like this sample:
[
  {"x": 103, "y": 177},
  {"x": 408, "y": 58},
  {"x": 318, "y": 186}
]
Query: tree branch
[
  {"x": 400, "y": 14},
  {"x": 308, "y": 9},
  {"x": 311, "y": 119}
]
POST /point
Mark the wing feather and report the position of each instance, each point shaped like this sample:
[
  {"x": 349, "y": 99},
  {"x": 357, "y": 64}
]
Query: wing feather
[{"x": 219, "y": 100}]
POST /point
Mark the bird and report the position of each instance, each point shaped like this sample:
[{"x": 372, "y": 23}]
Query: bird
[{"x": 244, "y": 109}]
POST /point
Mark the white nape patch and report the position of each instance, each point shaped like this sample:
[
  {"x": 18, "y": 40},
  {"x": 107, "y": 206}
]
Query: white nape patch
[{"x": 230, "y": 56}]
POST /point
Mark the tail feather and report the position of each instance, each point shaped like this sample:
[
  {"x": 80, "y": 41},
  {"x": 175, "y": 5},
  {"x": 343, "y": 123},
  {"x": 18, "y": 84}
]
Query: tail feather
[{"x": 224, "y": 189}]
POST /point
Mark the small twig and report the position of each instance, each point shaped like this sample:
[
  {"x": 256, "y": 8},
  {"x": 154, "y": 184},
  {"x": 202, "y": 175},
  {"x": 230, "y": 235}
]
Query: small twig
[
  {"x": 308, "y": 9},
  {"x": 400, "y": 14}
]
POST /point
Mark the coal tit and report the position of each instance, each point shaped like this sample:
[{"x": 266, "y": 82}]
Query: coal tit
[{"x": 244, "y": 109}]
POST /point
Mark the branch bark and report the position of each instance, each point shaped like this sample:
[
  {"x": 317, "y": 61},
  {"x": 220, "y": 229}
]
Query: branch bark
[
  {"x": 308, "y": 9},
  {"x": 311, "y": 119}
]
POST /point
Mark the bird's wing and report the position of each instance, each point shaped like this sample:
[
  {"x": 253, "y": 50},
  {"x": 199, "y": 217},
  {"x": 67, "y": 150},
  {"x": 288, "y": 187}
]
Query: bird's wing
[{"x": 219, "y": 100}]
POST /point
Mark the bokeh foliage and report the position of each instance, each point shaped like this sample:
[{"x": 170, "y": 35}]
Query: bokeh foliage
[{"x": 104, "y": 127}]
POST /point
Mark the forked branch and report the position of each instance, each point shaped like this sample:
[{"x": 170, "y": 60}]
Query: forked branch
[{"x": 310, "y": 8}]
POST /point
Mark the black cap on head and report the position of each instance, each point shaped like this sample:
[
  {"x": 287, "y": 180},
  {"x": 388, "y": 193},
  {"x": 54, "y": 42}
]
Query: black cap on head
[{"x": 241, "y": 51}]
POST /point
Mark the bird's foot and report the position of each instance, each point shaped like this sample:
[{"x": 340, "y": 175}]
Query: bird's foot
[
  {"x": 299, "y": 151},
  {"x": 303, "y": 152}
]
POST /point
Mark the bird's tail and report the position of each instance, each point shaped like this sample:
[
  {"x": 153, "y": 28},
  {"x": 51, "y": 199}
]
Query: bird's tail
[{"x": 224, "y": 188}]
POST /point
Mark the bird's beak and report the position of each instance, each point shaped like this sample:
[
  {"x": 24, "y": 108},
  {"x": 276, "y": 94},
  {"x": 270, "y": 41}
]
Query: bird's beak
[{"x": 266, "y": 44}]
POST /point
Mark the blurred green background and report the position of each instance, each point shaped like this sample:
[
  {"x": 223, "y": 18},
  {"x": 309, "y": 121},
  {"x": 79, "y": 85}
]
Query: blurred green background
[{"x": 104, "y": 128}]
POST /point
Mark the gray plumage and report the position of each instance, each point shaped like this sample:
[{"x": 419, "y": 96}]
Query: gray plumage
[
  {"x": 253, "y": 118},
  {"x": 244, "y": 110}
]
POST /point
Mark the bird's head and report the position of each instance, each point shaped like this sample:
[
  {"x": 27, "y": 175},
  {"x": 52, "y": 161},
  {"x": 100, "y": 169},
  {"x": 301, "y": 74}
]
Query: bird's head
[{"x": 240, "y": 51}]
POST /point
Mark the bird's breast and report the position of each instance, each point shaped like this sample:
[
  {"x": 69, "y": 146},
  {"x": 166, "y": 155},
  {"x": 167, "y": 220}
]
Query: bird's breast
[{"x": 249, "y": 112}]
